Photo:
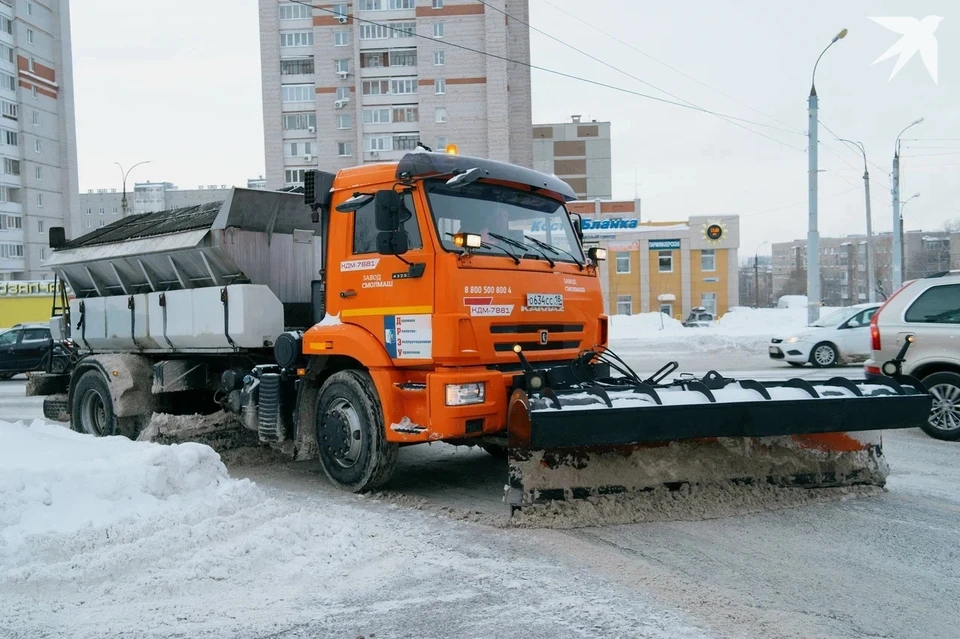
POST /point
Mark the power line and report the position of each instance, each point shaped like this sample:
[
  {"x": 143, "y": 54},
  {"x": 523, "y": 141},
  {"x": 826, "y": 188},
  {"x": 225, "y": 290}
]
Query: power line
[
  {"x": 630, "y": 75},
  {"x": 829, "y": 130},
  {"x": 661, "y": 62},
  {"x": 544, "y": 69}
]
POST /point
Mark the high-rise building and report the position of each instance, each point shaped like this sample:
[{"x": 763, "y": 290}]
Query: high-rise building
[
  {"x": 578, "y": 153},
  {"x": 38, "y": 144},
  {"x": 366, "y": 80}
]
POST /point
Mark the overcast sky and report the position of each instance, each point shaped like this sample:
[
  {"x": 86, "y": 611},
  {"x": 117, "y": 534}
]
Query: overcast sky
[{"x": 180, "y": 85}]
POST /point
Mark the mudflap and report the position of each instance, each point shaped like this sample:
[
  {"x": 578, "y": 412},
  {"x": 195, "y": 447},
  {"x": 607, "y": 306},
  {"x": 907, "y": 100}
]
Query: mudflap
[{"x": 579, "y": 444}]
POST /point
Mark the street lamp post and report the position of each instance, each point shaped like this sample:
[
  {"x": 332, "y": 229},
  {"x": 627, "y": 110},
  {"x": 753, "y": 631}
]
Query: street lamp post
[
  {"x": 756, "y": 274},
  {"x": 897, "y": 220},
  {"x": 123, "y": 201},
  {"x": 813, "y": 235},
  {"x": 871, "y": 255},
  {"x": 903, "y": 253}
]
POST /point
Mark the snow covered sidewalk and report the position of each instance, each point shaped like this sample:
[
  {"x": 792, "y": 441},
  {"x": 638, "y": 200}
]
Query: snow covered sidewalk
[{"x": 109, "y": 537}]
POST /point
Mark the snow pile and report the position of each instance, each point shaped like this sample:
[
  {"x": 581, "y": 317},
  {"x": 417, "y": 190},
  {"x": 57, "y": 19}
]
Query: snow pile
[
  {"x": 644, "y": 325},
  {"x": 63, "y": 493},
  {"x": 792, "y": 301}
]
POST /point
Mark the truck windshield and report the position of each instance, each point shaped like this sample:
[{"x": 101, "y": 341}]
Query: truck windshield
[{"x": 491, "y": 210}]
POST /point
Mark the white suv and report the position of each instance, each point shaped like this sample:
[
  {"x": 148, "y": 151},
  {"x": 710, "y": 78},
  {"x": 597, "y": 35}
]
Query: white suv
[{"x": 929, "y": 310}]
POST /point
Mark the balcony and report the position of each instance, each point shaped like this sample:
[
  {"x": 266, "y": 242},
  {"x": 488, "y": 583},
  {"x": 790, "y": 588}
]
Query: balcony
[{"x": 11, "y": 207}]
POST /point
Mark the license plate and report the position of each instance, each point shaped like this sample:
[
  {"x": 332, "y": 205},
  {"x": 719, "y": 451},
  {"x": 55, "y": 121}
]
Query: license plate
[
  {"x": 774, "y": 350},
  {"x": 544, "y": 300}
]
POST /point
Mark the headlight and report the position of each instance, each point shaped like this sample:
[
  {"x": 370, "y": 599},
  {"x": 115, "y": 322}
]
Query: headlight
[
  {"x": 462, "y": 394},
  {"x": 792, "y": 340}
]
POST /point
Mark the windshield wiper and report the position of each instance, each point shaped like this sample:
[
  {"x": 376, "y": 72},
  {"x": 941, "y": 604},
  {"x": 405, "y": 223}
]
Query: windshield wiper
[
  {"x": 510, "y": 240},
  {"x": 516, "y": 260},
  {"x": 556, "y": 250}
]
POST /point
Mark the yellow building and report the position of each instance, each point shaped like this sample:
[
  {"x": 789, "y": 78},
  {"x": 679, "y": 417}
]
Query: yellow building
[
  {"x": 667, "y": 266},
  {"x": 24, "y": 302}
]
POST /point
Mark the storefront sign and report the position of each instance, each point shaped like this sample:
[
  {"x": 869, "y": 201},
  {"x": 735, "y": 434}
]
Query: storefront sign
[
  {"x": 664, "y": 245},
  {"x": 591, "y": 226},
  {"x": 26, "y": 289}
]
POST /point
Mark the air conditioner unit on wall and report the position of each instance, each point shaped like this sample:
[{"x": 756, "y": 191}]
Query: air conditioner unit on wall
[
  {"x": 339, "y": 104},
  {"x": 308, "y": 158},
  {"x": 343, "y": 74},
  {"x": 342, "y": 19},
  {"x": 312, "y": 129}
]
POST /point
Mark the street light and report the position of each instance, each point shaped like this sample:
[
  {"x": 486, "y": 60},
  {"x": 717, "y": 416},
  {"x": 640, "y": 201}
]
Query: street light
[
  {"x": 897, "y": 219},
  {"x": 123, "y": 202},
  {"x": 756, "y": 273},
  {"x": 871, "y": 255},
  {"x": 813, "y": 235}
]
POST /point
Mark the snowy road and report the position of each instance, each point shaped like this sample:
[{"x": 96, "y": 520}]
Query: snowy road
[{"x": 430, "y": 558}]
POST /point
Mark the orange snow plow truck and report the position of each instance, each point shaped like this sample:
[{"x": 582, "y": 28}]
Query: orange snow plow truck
[{"x": 440, "y": 298}]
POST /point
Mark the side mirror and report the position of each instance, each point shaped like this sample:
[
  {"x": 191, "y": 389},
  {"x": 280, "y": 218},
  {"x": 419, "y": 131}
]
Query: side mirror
[
  {"x": 853, "y": 324},
  {"x": 578, "y": 226},
  {"x": 390, "y": 212},
  {"x": 392, "y": 242},
  {"x": 467, "y": 177}
]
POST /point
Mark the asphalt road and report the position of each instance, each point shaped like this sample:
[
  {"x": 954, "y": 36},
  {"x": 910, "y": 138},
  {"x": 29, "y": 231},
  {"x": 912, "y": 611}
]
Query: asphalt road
[{"x": 878, "y": 566}]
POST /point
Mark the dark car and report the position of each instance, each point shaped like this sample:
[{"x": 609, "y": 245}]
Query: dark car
[{"x": 26, "y": 348}]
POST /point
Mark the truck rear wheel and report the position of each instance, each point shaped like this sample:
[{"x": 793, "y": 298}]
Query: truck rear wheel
[
  {"x": 92, "y": 406},
  {"x": 353, "y": 449}
]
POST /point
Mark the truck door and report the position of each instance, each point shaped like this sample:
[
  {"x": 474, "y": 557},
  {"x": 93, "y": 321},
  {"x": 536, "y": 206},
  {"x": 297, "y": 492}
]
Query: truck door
[{"x": 375, "y": 289}]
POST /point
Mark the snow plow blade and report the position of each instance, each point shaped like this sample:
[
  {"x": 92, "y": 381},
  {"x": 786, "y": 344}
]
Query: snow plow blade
[{"x": 604, "y": 439}]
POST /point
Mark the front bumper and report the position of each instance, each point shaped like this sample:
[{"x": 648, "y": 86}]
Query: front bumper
[{"x": 798, "y": 352}]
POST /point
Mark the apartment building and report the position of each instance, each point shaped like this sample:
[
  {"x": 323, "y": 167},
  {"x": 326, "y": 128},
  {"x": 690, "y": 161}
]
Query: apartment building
[
  {"x": 38, "y": 146},
  {"x": 578, "y": 153},
  {"x": 366, "y": 80}
]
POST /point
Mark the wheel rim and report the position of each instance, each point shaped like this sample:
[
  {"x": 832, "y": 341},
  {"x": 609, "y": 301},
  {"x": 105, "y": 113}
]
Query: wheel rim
[
  {"x": 823, "y": 355},
  {"x": 93, "y": 413},
  {"x": 341, "y": 433},
  {"x": 945, "y": 414}
]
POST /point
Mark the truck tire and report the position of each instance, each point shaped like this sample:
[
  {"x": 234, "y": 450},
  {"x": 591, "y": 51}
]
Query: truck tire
[
  {"x": 92, "y": 406},
  {"x": 944, "y": 420},
  {"x": 353, "y": 449}
]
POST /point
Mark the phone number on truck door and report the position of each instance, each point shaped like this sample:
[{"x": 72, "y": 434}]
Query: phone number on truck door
[{"x": 490, "y": 290}]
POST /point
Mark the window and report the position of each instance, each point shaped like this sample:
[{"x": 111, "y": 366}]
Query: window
[
  {"x": 88, "y": 224},
  {"x": 36, "y": 118},
  {"x": 340, "y": 9},
  {"x": 406, "y": 114},
  {"x": 666, "y": 261},
  {"x": 296, "y": 39},
  {"x": 709, "y": 302},
  {"x": 342, "y": 66},
  {"x": 439, "y": 86},
  {"x": 384, "y": 5},
  {"x": 623, "y": 262},
  {"x": 299, "y": 121},
  {"x": 40, "y": 226},
  {"x": 7, "y": 81},
  {"x": 441, "y": 142},
  {"x": 295, "y": 149},
  {"x": 440, "y": 114},
  {"x": 9, "y": 194},
  {"x": 10, "y": 222},
  {"x": 102, "y": 223},
  {"x": 33, "y": 65},
  {"x": 11, "y": 250},
  {"x": 293, "y": 176},
  {"x": 6, "y": 25},
  {"x": 115, "y": 210},
  {"x": 371, "y": 60},
  {"x": 6, "y": 54},
  {"x": 295, "y": 11},
  {"x": 89, "y": 211},
  {"x": 624, "y": 304},
  {"x": 438, "y": 4},
  {"x": 10, "y": 337},
  {"x": 375, "y": 87},
  {"x": 406, "y": 58},
  {"x": 438, "y": 30},
  {"x": 40, "y": 205},
  {"x": 30, "y": 36},
  {"x": 403, "y": 29},
  {"x": 36, "y": 334},
  {"x": 341, "y": 38},
  {"x": 377, "y": 143},
  {"x": 101, "y": 210},
  {"x": 11, "y": 167},
  {"x": 344, "y": 149},
  {"x": 403, "y": 86},
  {"x": 35, "y": 93},
  {"x": 344, "y": 121},
  {"x": 297, "y": 93},
  {"x": 405, "y": 142},
  {"x": 667, "y": 309},
  {"x": 297, "y": 66},
  {"x": 708, "y": 260},
  {"x": 374, "y": 32},
  {"x": 937, "y": 305},
  {"x": 438, "y": 58},
  {"x": 343, "y": 93},
  {"x": 376, "y": 116},
  {"x": 365, "y": 228},
  {"x": 29, "y": 8},
  {"x": 38, "y": 171},
  {"x": 8, "y": 109}
]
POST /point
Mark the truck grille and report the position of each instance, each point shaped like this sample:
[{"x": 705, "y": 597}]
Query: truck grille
[
  {"x": 534, "y": 328},
  {"x": 560, "y": 336},
  {"x": 502, "y": 347}
]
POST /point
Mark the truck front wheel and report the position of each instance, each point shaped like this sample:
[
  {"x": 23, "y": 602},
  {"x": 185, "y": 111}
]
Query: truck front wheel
[
  {"x": 92, "y": 406},
  {"x": 353, "y": 449}
]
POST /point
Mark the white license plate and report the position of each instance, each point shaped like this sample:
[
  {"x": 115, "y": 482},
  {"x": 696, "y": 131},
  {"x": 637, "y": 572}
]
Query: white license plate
[
  {"x": 543, "y": 300},
  {"x": 774, "y": 349}
]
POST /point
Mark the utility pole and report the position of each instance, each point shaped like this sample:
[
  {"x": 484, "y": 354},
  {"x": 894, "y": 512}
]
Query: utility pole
[
  {"x": 756, "y": 281},
  {"x": 123, "y": 200},
  {"x": 813, "y": 235},
  {"x": 871, "y": 250},
  {"x": 897, "y": 238}
]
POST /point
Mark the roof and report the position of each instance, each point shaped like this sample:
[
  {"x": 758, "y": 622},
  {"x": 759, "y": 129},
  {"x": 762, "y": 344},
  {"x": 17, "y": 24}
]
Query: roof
[{"x": 151, "y": 224}]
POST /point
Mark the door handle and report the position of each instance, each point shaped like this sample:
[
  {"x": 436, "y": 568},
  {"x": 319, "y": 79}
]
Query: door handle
[{"x": 348, "y": 293}]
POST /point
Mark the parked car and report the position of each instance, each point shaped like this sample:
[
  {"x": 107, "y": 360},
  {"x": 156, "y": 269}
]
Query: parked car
[
  {"x": 842, "y": 336},
  {"x": 25, "y": 348},
  {"x": 929, "y": 310},
  {"x": 699, "y": 317}
]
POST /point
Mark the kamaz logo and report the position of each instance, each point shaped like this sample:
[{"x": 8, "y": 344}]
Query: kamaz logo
[{"x": 592, "y": 224}]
